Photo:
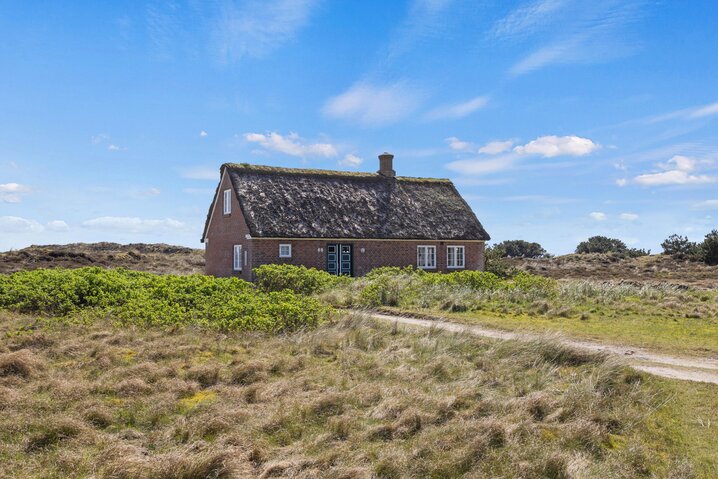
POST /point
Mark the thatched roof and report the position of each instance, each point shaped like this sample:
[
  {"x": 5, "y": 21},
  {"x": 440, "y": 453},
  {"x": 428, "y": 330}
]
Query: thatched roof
[{"x": 308, "y": 203}]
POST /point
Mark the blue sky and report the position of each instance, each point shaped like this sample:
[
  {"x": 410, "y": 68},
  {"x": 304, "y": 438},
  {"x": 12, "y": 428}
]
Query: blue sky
[{"x": 556, "y": 119}]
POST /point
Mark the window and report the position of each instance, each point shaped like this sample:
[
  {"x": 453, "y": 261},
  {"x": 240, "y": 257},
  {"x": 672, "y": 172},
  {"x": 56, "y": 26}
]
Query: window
[
  {"x": 285, "y": 251},
  {"x": 454, "y": 256},
  {"x": 237, "y": 260},
  {"x": 227, "y": 205},
  {"x": 426, "y": 257}
]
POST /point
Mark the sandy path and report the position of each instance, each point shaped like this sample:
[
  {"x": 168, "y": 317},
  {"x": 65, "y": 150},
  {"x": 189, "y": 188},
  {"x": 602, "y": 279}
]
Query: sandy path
[{"x": 668, "y": 366}]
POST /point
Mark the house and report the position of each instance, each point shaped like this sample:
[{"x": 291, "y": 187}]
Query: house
[{"x": 339, "y": 221}]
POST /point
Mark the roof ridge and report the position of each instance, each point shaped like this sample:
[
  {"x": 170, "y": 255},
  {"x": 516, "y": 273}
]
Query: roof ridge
[{"x": 253, "y": 168}]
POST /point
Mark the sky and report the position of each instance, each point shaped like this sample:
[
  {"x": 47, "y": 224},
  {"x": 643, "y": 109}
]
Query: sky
[{"x": 556, "y": 119}]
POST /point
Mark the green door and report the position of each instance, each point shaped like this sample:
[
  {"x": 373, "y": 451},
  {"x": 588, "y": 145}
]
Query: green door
[{"x": 339, "y": 259}]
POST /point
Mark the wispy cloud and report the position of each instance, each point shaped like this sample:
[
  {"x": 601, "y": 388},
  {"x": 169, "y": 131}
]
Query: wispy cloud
[
  {"x": 496, "y": 147},
  {"x": 677, "y": 171},
  {"x": 374, "y": 105},
  {"x": 58, "y": 225},
  {"x": 482, "y": 166},
  {"x": 12, "y": 192},
  {"x": 126, "y": 224},
  {"x": 458, "y": 110},
  {"x": 253, "y": 28},
  {"x": 291, "y": 144},
  {"x": 527, "y": 19},
  {"x": 598, "y": 216},
  {"x": 551, "y": 146},
  {"x": 351, "y": 161},
  {"x": 202, "y": 134},
  {"x": 459, "y": 145},
  {"x": 697, "y": 112},
  {"x": 576, "y": 32},
  {"x": 16, "y": 224},
  {"x": 425, "y": 19},
  {"x": 628, "y": 216}
]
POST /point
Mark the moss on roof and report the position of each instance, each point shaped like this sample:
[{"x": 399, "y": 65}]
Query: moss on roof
[
  {"x": 308, "y": 203},
  {"x": 319, "y": 172}
]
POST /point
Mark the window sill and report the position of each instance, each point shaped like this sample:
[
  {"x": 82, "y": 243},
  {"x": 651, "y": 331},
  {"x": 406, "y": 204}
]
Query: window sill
[{"x": 456, "y": 267}]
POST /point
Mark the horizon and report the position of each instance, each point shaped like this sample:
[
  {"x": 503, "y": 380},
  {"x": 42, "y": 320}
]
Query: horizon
[{"x": 556, "y": 120}]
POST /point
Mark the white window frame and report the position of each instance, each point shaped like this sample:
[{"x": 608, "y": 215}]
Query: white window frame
[
  {"x": 455, "y": 264},
  {"x": 237, "y": 257},
  {"x": 227, "y": 202},
  {"x": 426, "y": 264},
  {"x": 289, "y": 247}
]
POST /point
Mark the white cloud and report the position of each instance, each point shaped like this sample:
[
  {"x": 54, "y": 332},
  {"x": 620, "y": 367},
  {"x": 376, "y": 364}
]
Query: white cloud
[
  {"x": 628, "y": 216},
  {"x": 99, "y": 138},
  {"x": 458, "y": 110},
  {"x": 11, "y": 192},
  {"x": 57, "y": 225},
  {"x": 15, "y": 224},
  {"x": 677, "y": 172},
  {"x": 496, "y": 147},
  {"x": 350, "y": 160},
  {"x": 202, "y": 134},
  {"x": 550, "y": 146},
  {"x": 133, "y": 225},
  {"x": 291, "y": 145},
  {"x": 707, "y": 205},
  {"x": 459, "y": 145},
  {"x": 598, "y": 216},
  {"x": 673, "y": 177},
  {"x": 201, "y": 173},
  {"x": 256, "y": 27},
  {"x": 374, "y": 105},
  {"x": 622, "y": 182},
  {"x": 112, "y": 147}
]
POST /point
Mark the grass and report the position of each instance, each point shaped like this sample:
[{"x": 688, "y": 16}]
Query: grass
[
  {"x": 665, "y": 318},
  {"x": 349, "y": 399}
]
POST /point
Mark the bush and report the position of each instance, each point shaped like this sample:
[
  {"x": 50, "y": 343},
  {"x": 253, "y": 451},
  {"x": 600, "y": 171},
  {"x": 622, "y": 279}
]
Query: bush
[
  {"x": 603, "y": 244},
  {"x": 677, "y": 245},
  {"x": 146, "y": 299},
  {"x": 301, "y": 280},
  {"x": 521, "y": 249},
  {"x": 496, "y": 263},
  {"x": 709, "y": 248}
]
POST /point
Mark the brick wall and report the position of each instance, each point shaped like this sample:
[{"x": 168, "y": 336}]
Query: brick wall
[
  {"x": 224, "y": 232},
  {"x": 375, "y": 254}
]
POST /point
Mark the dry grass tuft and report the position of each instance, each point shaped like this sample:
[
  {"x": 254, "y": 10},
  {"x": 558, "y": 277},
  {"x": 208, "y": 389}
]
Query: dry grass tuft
[
  {"x": 22, "y": 363},
  {"x": 352, "y": 399}
]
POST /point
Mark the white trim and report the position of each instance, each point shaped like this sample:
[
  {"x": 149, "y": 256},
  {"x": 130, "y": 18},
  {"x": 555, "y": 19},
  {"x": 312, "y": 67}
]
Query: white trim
[
  {"x": 214, "y": 205},
  {"x": 358, "y": 240},
  {"x": 427, "y": 246},
  {"x": 227, "y": 201},
  {"x": 463, "y": 257},
  {"x": 237, "y": 257},
  {"x": 285, "y": 245}
]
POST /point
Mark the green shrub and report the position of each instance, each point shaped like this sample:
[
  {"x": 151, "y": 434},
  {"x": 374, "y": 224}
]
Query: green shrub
[
  {"x": 521, "y": 249},
  {"x": 680, "y": 246},
  {"x": 300, "y": 279},
  {"x": 146, "y": 299},
  {"x": 709, "y": 248}
]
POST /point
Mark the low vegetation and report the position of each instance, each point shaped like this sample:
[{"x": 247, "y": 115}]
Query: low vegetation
[
  {"x": 664, "y": 317},
  {"x": 603, "y": 244},
  {"x": 349, "y": 399},
  {"x": 145, "y": 299}
]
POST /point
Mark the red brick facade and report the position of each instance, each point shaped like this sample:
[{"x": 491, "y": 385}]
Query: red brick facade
[{"x": 225, "y": 231}]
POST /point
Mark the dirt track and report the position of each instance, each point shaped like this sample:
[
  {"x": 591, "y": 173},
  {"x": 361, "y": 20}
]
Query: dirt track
[{"x": 668, "y": 366}]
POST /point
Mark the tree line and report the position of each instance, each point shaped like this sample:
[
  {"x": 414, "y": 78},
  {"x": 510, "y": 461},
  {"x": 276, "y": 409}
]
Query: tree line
[{"x": 675, "y": 245}]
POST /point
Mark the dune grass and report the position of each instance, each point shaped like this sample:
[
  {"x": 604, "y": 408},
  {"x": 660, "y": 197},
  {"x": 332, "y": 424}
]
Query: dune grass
[
  {"x": 348, "y": 399},
  {"x": 662, "y": 317}
]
